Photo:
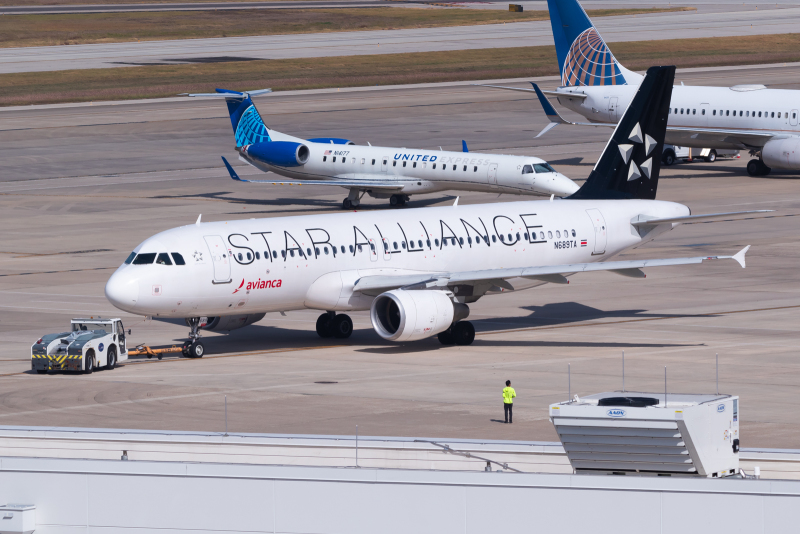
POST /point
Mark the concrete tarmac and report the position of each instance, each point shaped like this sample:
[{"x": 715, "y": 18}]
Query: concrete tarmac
[
  {"x": 738, "y": 20},
  {"x": 148, "y": 167}
]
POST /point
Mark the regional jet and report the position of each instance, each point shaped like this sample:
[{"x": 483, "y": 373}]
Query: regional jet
[
  {"x": 415, "y": 270},
  {"x": 381, "y": 172},
  {"x": 595, "y": 85}
]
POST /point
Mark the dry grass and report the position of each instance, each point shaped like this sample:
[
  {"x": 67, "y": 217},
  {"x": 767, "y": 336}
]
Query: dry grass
[
  {"x": 161, "y": 81},
  {"x": 46, "y": 30},
  {"x": 95, "y": 2}
]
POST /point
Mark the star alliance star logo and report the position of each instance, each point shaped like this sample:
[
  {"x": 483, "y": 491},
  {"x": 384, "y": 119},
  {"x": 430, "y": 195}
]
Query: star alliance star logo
[
  {"x": 645, "y": 168},
  {"x": 198, "y": 256}
]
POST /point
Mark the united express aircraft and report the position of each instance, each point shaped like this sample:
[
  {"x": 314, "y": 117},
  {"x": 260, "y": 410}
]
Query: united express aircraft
[
  {"x": 381, "y": 172},
  {"x": 416, "y": 270},
  {"x": 745, "y": 117}
]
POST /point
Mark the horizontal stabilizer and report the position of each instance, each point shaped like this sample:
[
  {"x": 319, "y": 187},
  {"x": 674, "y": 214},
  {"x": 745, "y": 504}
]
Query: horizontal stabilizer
[
  {"x": 694, "y": 218},
  {"x": 579, "y": 96},
  {"x": 230, "y": 95}
]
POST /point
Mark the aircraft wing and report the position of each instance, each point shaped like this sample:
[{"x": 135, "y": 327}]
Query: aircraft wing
[
  {"x": 551, "y": 273},
  {"x": 386, "y": 185},
  {"x": 744, "y": 139}
]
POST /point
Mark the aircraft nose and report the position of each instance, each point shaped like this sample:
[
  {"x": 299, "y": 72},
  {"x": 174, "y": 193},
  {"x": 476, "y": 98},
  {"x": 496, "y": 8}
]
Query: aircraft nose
[
  {"x": 122, "y": 290},
  {"x": 563, "y": 186}
]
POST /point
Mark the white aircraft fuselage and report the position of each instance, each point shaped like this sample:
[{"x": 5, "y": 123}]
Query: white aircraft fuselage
[{"x": 288, "y": 263}]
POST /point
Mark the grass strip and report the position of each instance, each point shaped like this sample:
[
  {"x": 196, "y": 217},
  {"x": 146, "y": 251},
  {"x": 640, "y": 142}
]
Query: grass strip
[
  {"x": 64, "y": 29},
  {"x": 353, "y": 71}
]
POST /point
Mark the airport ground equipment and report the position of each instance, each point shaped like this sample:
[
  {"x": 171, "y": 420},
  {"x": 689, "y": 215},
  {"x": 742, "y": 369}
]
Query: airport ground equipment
[
  {"x": 673, "y": 153},
  {"x": 88, "y": 345},
  {"x": 627, "y": 433},
  {"x": 150, "y": 352}
]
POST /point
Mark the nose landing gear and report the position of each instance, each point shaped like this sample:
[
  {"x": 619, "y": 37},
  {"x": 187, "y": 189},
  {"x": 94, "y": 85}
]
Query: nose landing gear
[
  {"x": 331, "y": 324},
  {"x": 193, "y": 347}
]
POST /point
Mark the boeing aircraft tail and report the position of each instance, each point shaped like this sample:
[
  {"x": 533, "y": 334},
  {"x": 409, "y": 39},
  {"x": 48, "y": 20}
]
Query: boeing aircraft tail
[
  {"x": 631, "y": 161},
  {"x": 248, "y": 127},
  {"x": 583, "y": 56}
]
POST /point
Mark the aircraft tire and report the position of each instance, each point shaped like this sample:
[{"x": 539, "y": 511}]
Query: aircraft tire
[
  {"x": 324, "y": 326},
  {"x": 342, "y": 326},
  {"x": 463, "y": 333},
  {"x": 347, "y": 204},
  {"x": 197, "y": 350},
  {"x": 446, "y": 337},
  {"x": 187, "y": 345},
  {"x": 395, "y": 201}
]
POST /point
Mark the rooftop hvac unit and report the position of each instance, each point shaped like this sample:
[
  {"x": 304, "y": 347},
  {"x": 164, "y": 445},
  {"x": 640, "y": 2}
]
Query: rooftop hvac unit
[{"x": 650, "y": 434}]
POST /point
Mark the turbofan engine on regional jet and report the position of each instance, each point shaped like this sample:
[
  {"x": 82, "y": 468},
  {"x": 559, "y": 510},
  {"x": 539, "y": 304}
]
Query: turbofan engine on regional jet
[
  {"x": 401, "y": 315},
  {"x": 278, "y": 153},
  {"x": 782, "y": 153},
  {"x": 228, "y": 322}
]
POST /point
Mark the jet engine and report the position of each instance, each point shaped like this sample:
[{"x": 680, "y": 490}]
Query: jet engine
[
  {"x": 279, "y": 153},
  {"x": 782, "y": 153},
  {"x": 228, "y": 322},
  {"x": 333, "y": 140},
  {"x": 409, "y": 315}
]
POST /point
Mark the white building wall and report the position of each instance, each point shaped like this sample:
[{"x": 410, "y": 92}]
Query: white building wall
[{"x": 100, "y": 496}]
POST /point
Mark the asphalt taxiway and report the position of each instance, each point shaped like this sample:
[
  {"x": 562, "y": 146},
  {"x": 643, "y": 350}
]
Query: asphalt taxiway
[
  {"x": 82, "y": 185},
  {"x": 735, "y": 21}
]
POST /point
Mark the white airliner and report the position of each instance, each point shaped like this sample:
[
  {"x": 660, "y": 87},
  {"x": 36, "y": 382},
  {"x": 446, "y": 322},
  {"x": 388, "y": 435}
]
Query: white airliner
[
  {"x": 381, "y": 172},
  {"x": 415, "y": 270},
  {"x": 595, "y": 85}
]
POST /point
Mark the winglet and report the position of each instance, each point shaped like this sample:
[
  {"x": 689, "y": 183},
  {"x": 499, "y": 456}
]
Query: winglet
[
  {"x": 464, "y": 146},
  {"x": 233, "y": 174},
  {"x": 739, "y": 256},
  {"x": 198, "y": 219}
]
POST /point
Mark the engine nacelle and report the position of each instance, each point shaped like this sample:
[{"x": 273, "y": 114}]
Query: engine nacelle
[
  {"x": 228, "y": 322},
  {"x": 782, "y": 153},
  {"x": 334, "y": 140},
  {"x": 401, "y": 315},
  {"x": 279, "y": 153}
]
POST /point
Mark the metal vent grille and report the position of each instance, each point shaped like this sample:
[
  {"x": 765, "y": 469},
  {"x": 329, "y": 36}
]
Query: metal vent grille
[{"x": 630, "y": 446}]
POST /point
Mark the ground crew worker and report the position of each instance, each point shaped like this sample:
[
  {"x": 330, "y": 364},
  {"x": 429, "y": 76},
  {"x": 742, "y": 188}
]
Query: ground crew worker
[{"x": 508, "y": 400}]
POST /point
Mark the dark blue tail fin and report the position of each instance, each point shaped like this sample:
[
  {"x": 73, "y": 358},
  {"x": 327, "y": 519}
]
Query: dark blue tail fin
[
  {"x": 631, "y": 161},
  {"x": 583, "y": 56}
]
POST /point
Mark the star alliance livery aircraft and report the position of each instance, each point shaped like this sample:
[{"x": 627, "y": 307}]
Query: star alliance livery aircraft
[
  {"x": 416, "y": 270},
  {"x": 381, "y": 172},
  {"x": 594, "y": 84}
]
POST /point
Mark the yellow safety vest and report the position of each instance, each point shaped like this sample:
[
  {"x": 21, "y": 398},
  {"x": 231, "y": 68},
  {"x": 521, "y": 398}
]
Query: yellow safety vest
[{"x": 508, "y": 395}]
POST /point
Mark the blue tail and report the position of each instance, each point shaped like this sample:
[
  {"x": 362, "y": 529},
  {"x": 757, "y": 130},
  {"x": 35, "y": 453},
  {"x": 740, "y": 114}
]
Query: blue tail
[
  {"x": 583, "y": 56},
  {"x": 248, "y": 127}
]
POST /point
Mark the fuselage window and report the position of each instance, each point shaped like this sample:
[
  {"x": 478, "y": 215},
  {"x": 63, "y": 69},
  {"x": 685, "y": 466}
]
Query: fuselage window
[
  {"x": 460, "y": 240},
  {"x": 360, "y": 249},
  {"x": 494, "y": 239},
  {"x": 759, "y": 114},
  {"x": 316, "y": 251},
  {"x": 454, "y": 167},
  {"x": 527, "y": 169},
  {"x": 476, "y": 168},
  {"x": 558, "y": 234},
  {"x": 694, "y": 112},
  {"x": 178, "y": 259},
  {"x": 385, "y": 245},
  {"x": 351, "y": 248},
  {"x": 549, "y": 235},
  {"x": 434, "y": 166},
  {"x": 372, "y": 246},
  {"x": 291, "y": 253},
  {"x": 130, "y": 258},
  {"x": 274, "y": 253},
  {"x": 727, "y": 113},
  {"x": 163, "y": 259},
  {"x": 258, "y": 255},
  {"x": 444, "y": 242},
  {"x": 779, "y": 114},
  {"x": 283, "y": 254},
  {"x": 395, "y": 245},
  {"x": 404, "y": 164},
  {"x": 394, "y": 164},
  {"x": 573, "y": 233},
  {"x": 517, "y": 236},
  {"x": 373, "y": 162},
  {"x": 541, "y": 236},
  {"x": 145, "y": 259},
  {"x": 510, "y": 238},
  {"x": 465, "y": 167},
  {"x": 352, "y": 160},
  {"x": 436, "y": 242},
  {"x": 334, "y": 159},
  {"x": 415, "y": 165},
  {"x": 714, "y": 112},
  {"x": 681, "y": 111},
  {"x": 773, "y": 115},
  {"x": 702, "y": 112},
  {"x": 794, "y": 115},
  {"x": 325, "y": 249},
  {"x": 249, "y": 257},
  {"x": 428, "y": 242},
  {"x": 403, "y": 244},
  {"x": 525, "y": 235},
  {"x": 747, "y": 114},
  {"x": 419, "y": 242},
  {"x": 363, "y": 160},
  {"x": 240, "y": 256},
  {"x": 676, "y": 111},
  {"x": 469, "y": 240}
]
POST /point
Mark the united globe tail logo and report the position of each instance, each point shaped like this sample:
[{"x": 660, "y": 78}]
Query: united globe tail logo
[{"x": 616, "y": 412}]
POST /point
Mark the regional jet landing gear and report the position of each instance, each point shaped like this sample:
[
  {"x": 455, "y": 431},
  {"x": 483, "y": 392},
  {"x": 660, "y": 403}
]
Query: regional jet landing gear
[
  {"x": 193, "y": 347},
  {"x": 353, "y": 200},
  {"x": 756, "y": 167},
  {"x": 398, "y": 200},
  {"x": 331, "y": 324},
  {"x": 460, "y": 333}
]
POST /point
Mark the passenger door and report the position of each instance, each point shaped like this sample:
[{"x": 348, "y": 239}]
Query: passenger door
[
  {"x": 220, "y": 258},
  {"x": 599, "y": 224},
  {"x": 493, "y": 174},
  {"x": 793, "y": 118}
]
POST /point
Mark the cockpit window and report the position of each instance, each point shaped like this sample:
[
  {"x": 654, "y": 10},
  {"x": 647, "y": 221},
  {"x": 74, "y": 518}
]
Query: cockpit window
[
  {"x": 145, "y": 259},
  {"x": 130, "y": 258},
  {"x": 163, "y": 259},
  {"x": 527, "y": 169},
  {"x": 543, "y": 167},
  {"x": 179, "y": 259}
]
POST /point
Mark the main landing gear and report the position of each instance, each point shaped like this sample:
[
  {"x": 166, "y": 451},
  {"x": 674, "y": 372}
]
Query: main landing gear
[
  {"x": 193, "y": 347},
  {"x": 331, "y": 324},
  {"x": 756, "y": 167},
  {"x": 398, "y": 200},
  {"x": 461, "y": 333}
]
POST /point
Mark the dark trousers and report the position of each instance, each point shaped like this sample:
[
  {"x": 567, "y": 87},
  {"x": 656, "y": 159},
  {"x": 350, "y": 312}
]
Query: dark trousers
[{"x": 508, "y": 411}]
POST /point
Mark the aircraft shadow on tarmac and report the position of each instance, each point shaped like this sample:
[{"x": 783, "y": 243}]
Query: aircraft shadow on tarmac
[{"x": 721, "y": 170}]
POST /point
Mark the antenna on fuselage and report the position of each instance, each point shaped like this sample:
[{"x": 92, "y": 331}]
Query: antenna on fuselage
[
  {"x": 456, "y": 202},
  {"x": 198, "y": 219}
]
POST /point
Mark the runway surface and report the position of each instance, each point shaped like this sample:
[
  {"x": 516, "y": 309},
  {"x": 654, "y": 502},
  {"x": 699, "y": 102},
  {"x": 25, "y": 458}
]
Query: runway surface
[
  {"x": 737, "y": 20},
  {"x": 75, "y": 199}
]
